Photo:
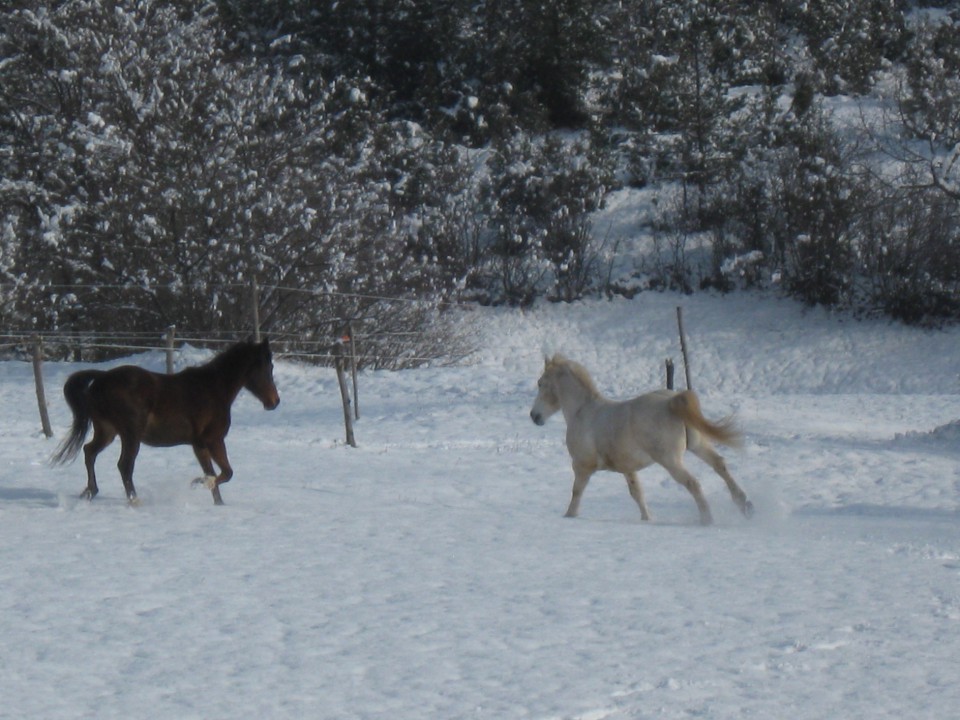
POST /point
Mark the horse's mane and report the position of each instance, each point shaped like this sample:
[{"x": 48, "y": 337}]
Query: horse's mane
[
  {"x": 578, "y": 371},
  {"x": 235, "y": 354}
]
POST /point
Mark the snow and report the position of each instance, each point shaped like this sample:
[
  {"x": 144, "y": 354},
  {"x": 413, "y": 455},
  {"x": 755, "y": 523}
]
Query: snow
[{"x": 429, "y": 572}]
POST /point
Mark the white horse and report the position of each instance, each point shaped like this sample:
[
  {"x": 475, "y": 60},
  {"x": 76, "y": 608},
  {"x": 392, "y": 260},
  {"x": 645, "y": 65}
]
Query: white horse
[{"x": 628, "y": 436}]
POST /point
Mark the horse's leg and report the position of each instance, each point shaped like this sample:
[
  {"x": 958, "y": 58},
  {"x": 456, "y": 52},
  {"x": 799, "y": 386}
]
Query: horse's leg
[
  {"x": 636, "y": 492},
  {"x": 683, "y": 476},
  {"x": 130, "y": 448},
  {"x": 712, "y": 458},
  {"x": 206, "y": 464},
  {"x": 101, "y": 438},
  {"x": 218, "y": 453},
  {"x": 581, "y": 476}
]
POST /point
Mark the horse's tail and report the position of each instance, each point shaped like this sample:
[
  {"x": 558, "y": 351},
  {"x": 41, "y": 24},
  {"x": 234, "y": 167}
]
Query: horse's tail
[
  {"x": 75, "y": 392},
  {"x": 686, "y": 406}
]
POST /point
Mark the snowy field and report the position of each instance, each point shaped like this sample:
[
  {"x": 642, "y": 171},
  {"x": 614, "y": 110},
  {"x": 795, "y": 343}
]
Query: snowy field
[{"x": 429, "y": 573}]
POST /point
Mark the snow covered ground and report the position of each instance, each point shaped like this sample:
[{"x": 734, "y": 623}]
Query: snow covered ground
[{"x": 429, "y": 573}]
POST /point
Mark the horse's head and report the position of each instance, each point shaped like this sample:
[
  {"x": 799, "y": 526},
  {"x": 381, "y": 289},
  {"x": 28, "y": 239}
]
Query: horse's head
[
  {"x": 548, "y": 400},
  {"x": 260, "y": 378}
]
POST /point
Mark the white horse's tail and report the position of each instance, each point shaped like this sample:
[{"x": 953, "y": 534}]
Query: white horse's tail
[{"x": 686, "y": 406}]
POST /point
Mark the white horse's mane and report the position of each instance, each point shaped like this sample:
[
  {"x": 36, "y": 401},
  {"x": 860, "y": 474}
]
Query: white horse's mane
[{"x": 577, "y": 370}]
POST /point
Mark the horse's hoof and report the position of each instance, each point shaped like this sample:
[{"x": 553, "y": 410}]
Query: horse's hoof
[
  {"x": 134, "y": 502},
  {"x": 87, "y": 494},
  {"x": 748, "y": 509}
]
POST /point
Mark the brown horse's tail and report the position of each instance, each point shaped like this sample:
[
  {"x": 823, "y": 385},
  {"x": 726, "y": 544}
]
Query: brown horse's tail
[
  {"x": 75, "y": 392},
  {"x": 686, "y": 406}
]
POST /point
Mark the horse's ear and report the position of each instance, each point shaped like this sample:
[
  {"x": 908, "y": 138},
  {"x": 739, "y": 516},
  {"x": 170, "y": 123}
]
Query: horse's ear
[{"x": 557, "y": 359}]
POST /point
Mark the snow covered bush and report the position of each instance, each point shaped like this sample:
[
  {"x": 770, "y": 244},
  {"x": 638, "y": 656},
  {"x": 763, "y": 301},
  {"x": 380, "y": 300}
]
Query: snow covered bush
[
  {"x": 540, "y": 195},
  {"x": 154, "y": 172},
  {"x": 156, "y": 158}
]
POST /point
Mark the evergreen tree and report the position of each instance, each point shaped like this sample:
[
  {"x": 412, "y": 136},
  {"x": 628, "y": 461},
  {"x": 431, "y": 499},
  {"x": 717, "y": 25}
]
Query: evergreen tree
[{"x": 849, "y": 41}]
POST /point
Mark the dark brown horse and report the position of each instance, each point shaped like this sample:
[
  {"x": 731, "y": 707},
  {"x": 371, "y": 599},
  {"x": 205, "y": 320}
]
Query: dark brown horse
[{"x": 191, "y": 407}]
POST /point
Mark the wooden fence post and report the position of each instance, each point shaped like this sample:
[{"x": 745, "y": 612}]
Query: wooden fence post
[
  {"x": 683, "y": 347},
  {"x": 38, "y": 379},
  {"x": 170, "y": 336},
  {"x": 353, "y": 371},
  {"x": 255, "y": 300},
  {"x": 338, "y": 361}
]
